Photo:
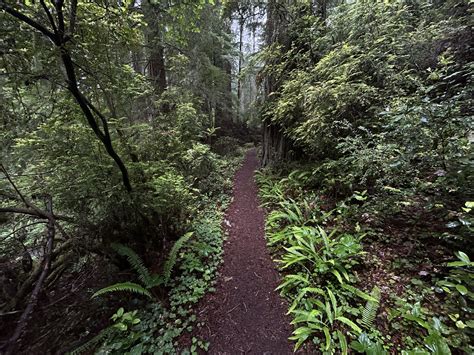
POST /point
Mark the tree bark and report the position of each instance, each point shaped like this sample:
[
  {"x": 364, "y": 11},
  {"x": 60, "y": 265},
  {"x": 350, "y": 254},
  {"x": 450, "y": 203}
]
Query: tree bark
[
  {"x": 275, "y": 145},
  {"x": 157, "y": 68},
  {"x": 224, "y": 105},
  {"x": 156, "y": 51},
  {"x": 239, "y": 79}
]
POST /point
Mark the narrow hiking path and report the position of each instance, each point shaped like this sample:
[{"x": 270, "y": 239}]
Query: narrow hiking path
[{"x": 246, "y": 314}]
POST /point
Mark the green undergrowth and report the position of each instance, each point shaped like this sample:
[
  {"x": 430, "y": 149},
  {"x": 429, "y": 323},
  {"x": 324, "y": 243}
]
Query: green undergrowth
[
  {"x": 358, "y": 281},
  {"x": 155, "y": 326},
  {"x": 160, "y": 326},
  {"x": 371, "y": 209}
]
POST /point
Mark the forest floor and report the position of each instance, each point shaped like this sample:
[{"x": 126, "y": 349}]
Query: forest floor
[
  {"x": 245, "y": 314},
  {"x": 65, "y": 314}
]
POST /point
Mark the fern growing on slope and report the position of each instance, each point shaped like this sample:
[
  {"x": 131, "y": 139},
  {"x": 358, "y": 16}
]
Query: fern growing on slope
[
  {"x": 148, "y": 280},
  {"x": 173, "y": 255},
  {"x": 124, "y": 287},
  {"x": 370, "y": 310},
  {"x": 135, "y": 262}
]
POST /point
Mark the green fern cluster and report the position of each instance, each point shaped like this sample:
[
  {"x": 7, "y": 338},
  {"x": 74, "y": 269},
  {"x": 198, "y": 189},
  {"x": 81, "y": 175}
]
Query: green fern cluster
[
  {"x": 315, "y": 258},
  {"x": 147, "y": 279},
  {"x": 137, "y": 264},
  {"x": 325, "y": 315}
]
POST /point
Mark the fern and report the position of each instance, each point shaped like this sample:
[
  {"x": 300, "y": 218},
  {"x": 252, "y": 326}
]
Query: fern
[
  {"x": 148, "y": 280},
  {"x": 124, "y": 287},
  {"x": 173, "y": 255},
  {"x": 135, "y": 262},
  {"x": 370, "y": 311}
]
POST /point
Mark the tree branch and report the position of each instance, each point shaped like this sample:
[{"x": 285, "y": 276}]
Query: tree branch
[
  {"x": 18, "y": 15},
  {"x": 31, "y": 209},
  {"x": 59, "y": 40},
  {"x": 35, "y": 213},
  {"x": 46, "y": 266},
  {"x": 59, "y": 10},
  {"x": 50, "y": 17}
]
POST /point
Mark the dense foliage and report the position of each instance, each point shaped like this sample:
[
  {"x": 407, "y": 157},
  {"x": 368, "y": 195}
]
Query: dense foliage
[
  {"x": 372, "y": 223},
  {"x": 110, "y": 116},
  {"x": 123, "y": 123}
]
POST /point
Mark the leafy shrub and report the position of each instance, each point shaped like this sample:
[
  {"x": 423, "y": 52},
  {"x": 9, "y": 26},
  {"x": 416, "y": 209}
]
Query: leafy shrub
[
  {"x": 172, "y": 195},
  {"x": 377, "y": 98},
  {"x": 199, "y": 161},
  {"x": 159, "y": 326},
  {"x": 316, "y": 265}
]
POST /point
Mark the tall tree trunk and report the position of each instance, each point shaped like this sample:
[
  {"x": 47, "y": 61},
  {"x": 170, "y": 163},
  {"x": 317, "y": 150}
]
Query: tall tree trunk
[
  {"x": 156, "y": 51},
  {"x": 157, "y": 69},
  {"x": 137, "y": 60},
  {"x": 224, "y": 110},
  {"x": 224, "y": 106},
  {"x": 275, "y": 145},
  {"x": 239, "y": 79}
]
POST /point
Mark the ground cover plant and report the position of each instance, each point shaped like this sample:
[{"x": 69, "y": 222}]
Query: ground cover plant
[
  {"x": 357, "y": 286},
  {"x": 371, "y": 218}
]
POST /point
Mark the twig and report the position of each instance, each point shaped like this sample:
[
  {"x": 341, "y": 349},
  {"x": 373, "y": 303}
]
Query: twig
[
  {"x": 8, "y": 313},
  {"x": 34, "y": 212},
  {"x": 31, "y": 208},
  {"x": 57, "y": 301},
  {"x": 232, "y": 309},
  {"x": 46, "y": 265},
  {"x": 20, "y": 228},
  {"x": 13, "y": 184}
]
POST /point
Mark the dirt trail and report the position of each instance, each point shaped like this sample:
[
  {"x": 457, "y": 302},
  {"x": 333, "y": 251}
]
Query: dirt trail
[{"x": 245, "y": 314}]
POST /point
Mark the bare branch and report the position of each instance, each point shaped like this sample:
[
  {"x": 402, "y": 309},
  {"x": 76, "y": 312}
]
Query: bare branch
[
  {"x": 2, "y": 168},
  {"x": 59, "y": 11},
  {"x": 35, "y": 213},
  {"x": 46, "y": 266},
  {"x": 50, "y": 17},
  {"x": 22, "y": 227}
]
